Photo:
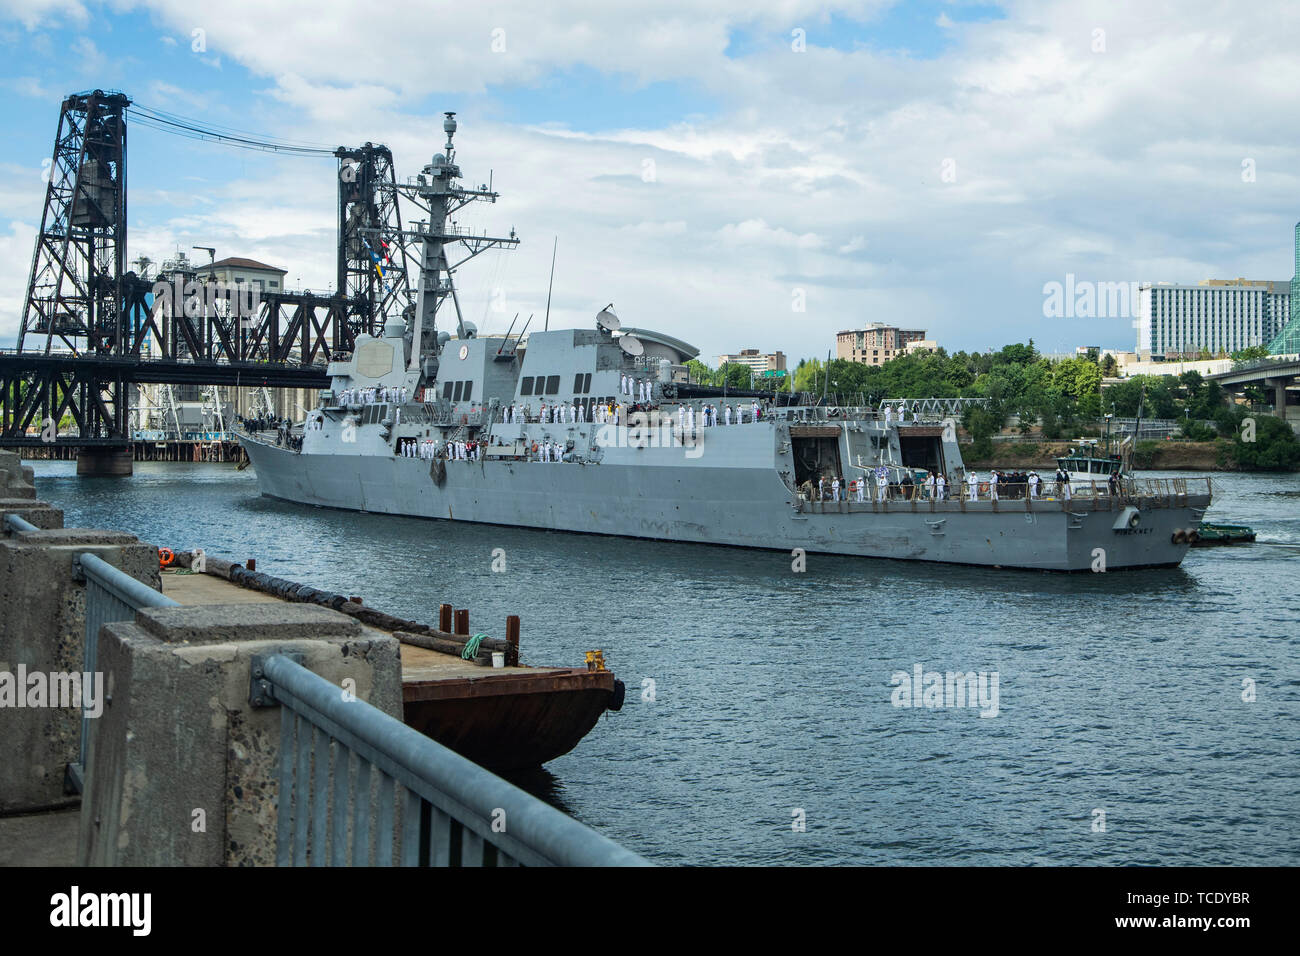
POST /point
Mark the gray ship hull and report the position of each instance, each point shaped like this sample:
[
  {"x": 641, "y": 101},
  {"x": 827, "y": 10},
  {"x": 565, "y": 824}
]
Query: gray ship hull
[{"x": 742, "y": 507}]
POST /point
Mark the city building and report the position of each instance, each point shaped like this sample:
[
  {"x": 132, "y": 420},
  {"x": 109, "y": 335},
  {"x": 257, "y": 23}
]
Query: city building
[
  {"x": 1287, "y": 341},
  {"x": 760, "y": 363},
  {"x": 1217, "y": 316},
  {"x": 236, "y": 271},
  {"x": 877, "y": 343},
  {"x": 200, "y": 411}
]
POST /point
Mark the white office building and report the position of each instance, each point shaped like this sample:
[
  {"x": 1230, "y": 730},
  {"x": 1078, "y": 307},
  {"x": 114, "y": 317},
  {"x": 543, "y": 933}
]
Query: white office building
[{"x": 1215, "y": 316}]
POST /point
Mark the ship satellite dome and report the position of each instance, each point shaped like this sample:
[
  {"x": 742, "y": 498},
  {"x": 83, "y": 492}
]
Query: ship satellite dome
[
  {"x": 439, "y": 159},
  {"x": 444, "y": 338},
  {"x": 606, "y": 319},
  {"x": 631, "y": 345}
]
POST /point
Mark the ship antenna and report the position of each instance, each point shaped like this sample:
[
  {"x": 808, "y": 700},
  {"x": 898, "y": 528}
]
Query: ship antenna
[{"x": 554, "y": 247}]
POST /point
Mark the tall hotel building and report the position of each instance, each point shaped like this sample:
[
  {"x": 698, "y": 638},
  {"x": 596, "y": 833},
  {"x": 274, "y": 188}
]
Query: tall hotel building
[{"x": 1217, "y": 315}]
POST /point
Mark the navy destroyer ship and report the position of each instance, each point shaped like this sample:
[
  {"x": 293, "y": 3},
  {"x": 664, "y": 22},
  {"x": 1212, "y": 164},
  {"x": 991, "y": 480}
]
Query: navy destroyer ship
[{"x": 600, "y": 431}]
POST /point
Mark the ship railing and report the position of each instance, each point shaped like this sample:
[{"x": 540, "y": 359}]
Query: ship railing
[
  {"x": 1148, "y": 492},
  {"x": 425, "y": 804}
]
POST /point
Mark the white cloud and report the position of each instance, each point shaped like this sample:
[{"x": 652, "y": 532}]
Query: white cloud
[{"x": 1112, "y": 165}]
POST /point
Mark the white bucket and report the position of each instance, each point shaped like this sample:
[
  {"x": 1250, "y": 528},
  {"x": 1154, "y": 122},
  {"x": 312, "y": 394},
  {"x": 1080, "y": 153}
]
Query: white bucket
[{"x": 498, "y": 659}]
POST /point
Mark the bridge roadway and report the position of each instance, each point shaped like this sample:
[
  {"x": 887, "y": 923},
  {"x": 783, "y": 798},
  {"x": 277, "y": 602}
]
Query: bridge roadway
[
  {"x": 1277, "y": 374},
  {"x": 164, "y": 371}
]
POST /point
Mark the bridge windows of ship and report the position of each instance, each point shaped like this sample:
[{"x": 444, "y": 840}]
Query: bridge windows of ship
[
  {"x": 462, "y": 391},
  {"x": 539, "y": 385},
  {"x": 582, "y": 383}
]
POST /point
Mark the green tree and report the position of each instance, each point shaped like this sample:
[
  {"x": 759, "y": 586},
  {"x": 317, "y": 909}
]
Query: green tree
[{"x": 1274, "y": 448}]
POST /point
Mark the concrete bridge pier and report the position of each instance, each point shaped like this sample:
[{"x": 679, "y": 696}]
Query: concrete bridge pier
[{"x": 104, "y": 462}]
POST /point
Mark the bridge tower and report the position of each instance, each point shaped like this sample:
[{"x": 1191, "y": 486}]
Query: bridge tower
[
  {"x": 372, "y": 272},
  {"x": 78, "y": 288}
]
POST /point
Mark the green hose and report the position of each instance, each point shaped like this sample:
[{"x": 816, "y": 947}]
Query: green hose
[{"x": 471, "y": 647}]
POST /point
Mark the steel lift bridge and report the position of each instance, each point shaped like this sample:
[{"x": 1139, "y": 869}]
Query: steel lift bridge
[{"x": 91, "y": 328}]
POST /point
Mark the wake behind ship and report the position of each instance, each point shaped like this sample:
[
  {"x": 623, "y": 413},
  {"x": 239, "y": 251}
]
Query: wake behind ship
[{"x": 598, "y": 431}]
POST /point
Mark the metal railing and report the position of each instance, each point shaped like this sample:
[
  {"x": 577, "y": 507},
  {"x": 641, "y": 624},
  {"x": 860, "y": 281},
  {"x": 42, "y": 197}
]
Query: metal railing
[
  {"x": 112, "y": 595},
  {"x": 15, "y": 524},
  {"x": 1156, "y": 492},
  {"x": 423, "y": 804}
]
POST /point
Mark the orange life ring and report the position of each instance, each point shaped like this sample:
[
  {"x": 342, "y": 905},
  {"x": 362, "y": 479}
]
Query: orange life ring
[
  {"x": 165, "y": 557},
  {"x": 534, "y": 446},
  {"x": 984, "y": 487}
]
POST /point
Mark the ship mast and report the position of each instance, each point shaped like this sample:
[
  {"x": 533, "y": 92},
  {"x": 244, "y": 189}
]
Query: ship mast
[{"x": 437, "y": 191}]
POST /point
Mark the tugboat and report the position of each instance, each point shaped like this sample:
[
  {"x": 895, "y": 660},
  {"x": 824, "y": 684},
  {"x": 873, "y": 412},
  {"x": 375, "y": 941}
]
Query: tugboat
[{"x": 599, "y": 431}]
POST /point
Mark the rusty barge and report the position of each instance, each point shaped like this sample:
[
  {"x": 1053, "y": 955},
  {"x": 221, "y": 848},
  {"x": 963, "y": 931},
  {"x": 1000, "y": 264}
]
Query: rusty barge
[{"x": 509, "y": 717}]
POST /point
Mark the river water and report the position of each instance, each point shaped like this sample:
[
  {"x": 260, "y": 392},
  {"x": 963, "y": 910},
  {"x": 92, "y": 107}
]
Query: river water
[{"x": 1122, "y": 734}]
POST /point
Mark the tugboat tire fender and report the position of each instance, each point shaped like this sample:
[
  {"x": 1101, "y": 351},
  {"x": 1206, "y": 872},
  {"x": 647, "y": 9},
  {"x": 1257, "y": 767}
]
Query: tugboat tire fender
[{"x": 1180, "y": 536}]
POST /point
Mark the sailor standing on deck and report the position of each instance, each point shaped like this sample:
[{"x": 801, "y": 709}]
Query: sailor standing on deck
[
  {"x": 929, "y": 485},
  {"x": 1033, "y": 484},
  {"x": 835, "y": 489},
  {"x": 726, "y": 414},
  {"x": 882, "y": 483},
  {"x": 941, "y": 486},
  {"x": 993, "y": 486},
  {"x": 973, "y": 484}
]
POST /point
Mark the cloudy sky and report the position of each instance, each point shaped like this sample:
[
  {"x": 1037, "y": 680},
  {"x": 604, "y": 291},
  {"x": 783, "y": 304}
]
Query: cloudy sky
[{"x": 707, "y": 166}]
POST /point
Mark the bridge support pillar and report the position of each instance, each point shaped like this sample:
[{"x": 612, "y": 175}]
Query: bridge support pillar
[
  {"x": 1279, "y": 395},
  {"x": 104, "y": 462}
]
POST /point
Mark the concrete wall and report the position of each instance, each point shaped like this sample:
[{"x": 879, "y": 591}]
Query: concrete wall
[
  {"x": 18, "y": 494},
  {"x": 183, "y": 770},
  {"x": 42, "y": 629}
]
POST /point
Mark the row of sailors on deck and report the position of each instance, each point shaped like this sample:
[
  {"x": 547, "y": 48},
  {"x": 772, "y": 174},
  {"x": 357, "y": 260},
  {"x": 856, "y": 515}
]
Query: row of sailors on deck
[
  {"x": 934, "y": 487},
  {"x": 429, "y": 449},
  {"x": 643, "y": 389},
  {"x": 891, "y": 414},
  {"x": 561, "y": 413},
  {"x": 373, "y": 395}
]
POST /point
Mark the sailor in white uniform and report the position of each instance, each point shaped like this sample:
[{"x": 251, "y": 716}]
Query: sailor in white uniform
[
  {"x": 929, "y": 485},
  {"x": 993, "y": 486},
  {"x": 972, "y": 486},
  {"x": 835, "y": 489},
  {"x": 882, "y": 483},
  {"x": 726, "y": 414},
  {"x": 889, "y": 414},
  {"x": 1033, "y": 484},
  {"x": 941, "y": 486}
]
